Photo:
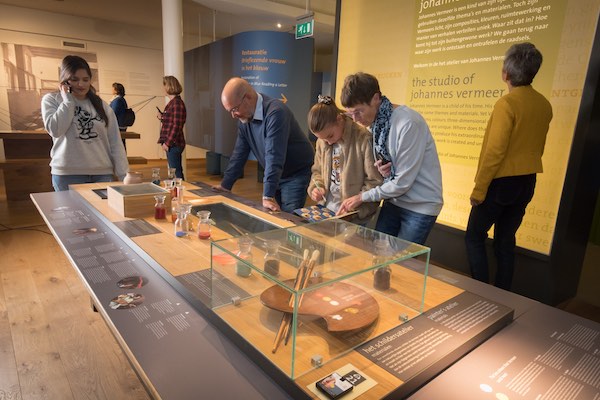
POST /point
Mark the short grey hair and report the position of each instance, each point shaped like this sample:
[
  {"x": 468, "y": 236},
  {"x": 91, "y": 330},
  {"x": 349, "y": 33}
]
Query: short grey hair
[{"x": 522, "y": 62}]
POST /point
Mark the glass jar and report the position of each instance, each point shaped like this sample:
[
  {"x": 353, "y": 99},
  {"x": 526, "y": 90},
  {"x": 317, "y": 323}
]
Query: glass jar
[
  {"x": 187, "y": 210},
  {"x": 174, "y": 209},
  {"x": 382, "y": 276},
  {"x": 271, "y": 258},
  {"x": 160, "y": 212},
  {"x": 156, "y": 176},
  {"x": 177, "y": 190},
  {"x": 244, "y": 255},
  {"x": 204, "y": 223},
  {"x": 170, "y": 173}
]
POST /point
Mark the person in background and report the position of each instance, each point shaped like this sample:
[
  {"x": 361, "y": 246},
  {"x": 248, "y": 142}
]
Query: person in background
[
  {"x": 86, "y": 142},
  {"x": 172, "y": 120},
  {"x": 119, "y": 104},
  {"x": 344, "y": 164},
  {"x": 406, "y": 157},
  {"x": 268, "y": 128},
  {"x": 511, "y": 155}
]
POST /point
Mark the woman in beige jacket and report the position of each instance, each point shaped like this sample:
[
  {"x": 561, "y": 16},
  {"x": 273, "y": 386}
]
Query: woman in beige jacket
[{"x": 344, "y": 165}]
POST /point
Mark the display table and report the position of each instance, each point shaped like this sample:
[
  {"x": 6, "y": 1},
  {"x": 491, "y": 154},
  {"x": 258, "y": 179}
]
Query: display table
[
  {"x": 164, "y": 326},
  {"x": 175, "y": 351}
]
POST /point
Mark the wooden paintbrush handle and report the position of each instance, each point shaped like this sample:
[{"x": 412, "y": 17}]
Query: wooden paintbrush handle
[{"x": 286, "y": 320}]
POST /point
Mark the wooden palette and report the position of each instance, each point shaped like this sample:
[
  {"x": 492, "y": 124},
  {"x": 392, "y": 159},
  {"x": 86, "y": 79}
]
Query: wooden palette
[{"x": 344, "y": 307}]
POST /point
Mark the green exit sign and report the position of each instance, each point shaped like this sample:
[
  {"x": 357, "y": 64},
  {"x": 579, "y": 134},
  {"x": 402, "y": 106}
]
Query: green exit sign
[
  {"x": 293, "y": 237},
  {"x": 305, "y": 29}
]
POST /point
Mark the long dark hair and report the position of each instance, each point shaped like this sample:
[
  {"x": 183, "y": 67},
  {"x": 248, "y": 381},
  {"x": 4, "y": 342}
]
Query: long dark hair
[{"x": 70, "y": 65}]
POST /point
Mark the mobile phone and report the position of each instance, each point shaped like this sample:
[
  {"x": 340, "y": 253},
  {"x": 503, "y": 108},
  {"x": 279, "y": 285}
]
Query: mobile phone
[
  {"x": 382, "y": 158},
  {"x": 334, "y": 386},
  {"x": 159, "y": 110},
  {"x": 69, "y": 88}
]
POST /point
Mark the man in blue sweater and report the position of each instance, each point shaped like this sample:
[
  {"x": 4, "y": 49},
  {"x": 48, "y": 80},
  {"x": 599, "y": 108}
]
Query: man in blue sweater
[{"x": 268, "y": 129}]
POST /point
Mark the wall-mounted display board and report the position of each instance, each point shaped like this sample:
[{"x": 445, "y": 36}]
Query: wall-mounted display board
[
  {"x": 274, "y": 63},
  {"x": 448, "y": 66}
]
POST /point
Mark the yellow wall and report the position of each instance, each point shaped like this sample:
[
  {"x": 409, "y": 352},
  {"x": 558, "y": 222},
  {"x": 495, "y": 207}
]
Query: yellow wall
[{"x": 444, "y": 59}]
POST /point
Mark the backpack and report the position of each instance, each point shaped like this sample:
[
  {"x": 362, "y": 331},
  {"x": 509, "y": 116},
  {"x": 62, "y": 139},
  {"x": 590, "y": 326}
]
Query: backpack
[{"x": 128, "y": 117}]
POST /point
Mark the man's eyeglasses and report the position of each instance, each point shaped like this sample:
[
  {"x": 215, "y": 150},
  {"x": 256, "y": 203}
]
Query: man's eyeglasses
[{"x": 237, "y": 108}]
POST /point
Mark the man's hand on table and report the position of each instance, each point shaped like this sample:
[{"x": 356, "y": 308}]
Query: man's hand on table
[{"x": 270, "y": 204}]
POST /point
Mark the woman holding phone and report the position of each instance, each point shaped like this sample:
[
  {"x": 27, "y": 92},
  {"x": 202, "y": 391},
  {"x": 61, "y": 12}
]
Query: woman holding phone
[
  {"x": 86, "y": 142},
  {"x": 172, "y": 120}
]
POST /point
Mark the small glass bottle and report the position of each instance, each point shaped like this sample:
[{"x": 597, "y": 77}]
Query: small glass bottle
[
  {"x": 272, "y": 260},
  {"x": 181, "y": 223},
  {"x": 170, "y": 173},
  {"x": 244, "y": 255},
  {"x": 156, "y": 176},
  {"x": 177, "y": 191},
  {"x": 160, "y": 212},
  {"x": 174, "y": 209},
  {"x": 187, "y": 210},
  {"x": 382, "y": 276},
  {"x": 204, "y": 224}
]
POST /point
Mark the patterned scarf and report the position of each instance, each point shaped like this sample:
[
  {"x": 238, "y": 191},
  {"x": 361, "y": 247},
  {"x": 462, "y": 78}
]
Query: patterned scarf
[{"x": 381, "y": 129}]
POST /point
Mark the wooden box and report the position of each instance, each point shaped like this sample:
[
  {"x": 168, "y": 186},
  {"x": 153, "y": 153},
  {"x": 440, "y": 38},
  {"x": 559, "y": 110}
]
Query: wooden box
[{"x": 136, "y": 200}]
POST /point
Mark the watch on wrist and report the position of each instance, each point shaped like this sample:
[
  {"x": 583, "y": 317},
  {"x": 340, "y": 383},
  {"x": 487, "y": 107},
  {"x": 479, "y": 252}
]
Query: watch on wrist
[{"x": 269, "y": 198}]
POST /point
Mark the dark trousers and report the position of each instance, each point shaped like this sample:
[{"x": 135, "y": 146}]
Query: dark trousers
[
  {"x": 504, "y": 207},
  {"x": 174, "y": 160},
  {"x": 120, "y": 131},
  {"x": 292, "y": 190},
  {"x": 406, "y": 224}
]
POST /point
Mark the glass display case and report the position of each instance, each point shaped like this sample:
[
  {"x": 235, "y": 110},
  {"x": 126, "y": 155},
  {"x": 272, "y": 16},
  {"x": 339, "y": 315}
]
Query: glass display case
[{"x": 308, "y": 295}]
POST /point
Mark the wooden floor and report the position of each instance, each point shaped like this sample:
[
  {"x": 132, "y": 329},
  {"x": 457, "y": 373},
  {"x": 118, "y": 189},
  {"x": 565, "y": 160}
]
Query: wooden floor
[{"x": 52, "y": 346}]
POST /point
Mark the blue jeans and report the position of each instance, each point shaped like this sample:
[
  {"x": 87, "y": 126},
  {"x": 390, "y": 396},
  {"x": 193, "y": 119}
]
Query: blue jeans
[
  {"x": 174, "y": 160},
  {"x": 405, "y": 224},
  {"x": 504, "y": 207},
  {"x": 292, "y": 191},
  {"x": 62, "y": 182}
]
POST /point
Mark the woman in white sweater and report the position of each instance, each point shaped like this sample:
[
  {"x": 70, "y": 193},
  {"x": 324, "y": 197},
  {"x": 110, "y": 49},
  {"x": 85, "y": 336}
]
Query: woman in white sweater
[{"x": 87, "y": 144}]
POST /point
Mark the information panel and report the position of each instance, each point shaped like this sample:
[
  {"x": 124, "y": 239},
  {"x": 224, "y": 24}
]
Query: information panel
[
  {"x": 444, "y": 59},
  {"x": 545, "y": 354}
]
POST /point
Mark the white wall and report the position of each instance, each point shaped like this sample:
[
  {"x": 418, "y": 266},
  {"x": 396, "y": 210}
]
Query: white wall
[{"x": 129, "y": 54}]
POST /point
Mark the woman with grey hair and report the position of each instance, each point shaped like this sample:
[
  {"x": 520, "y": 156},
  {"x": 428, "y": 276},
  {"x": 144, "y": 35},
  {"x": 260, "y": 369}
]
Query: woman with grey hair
[{"x": 510, "y": 158}]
